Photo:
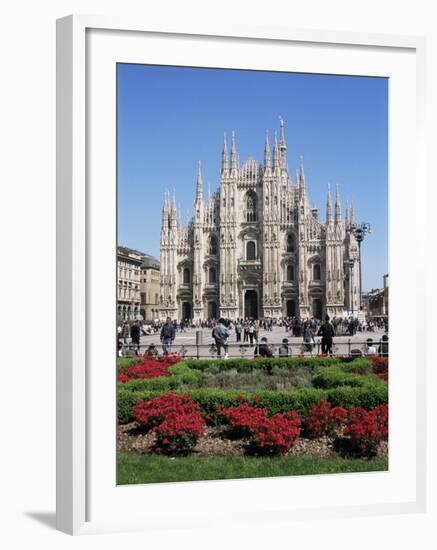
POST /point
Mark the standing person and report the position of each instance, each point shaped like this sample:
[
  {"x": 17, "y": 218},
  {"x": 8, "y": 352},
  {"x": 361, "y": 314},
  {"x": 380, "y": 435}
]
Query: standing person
[
  {"x": 221, "y": 334},
  {"x": 383, "y": 347},
  {"x": 326, "y": 331},
  {"x": 251, "y": 333},
  {"x": 238, "y": 331},
  {"x": 125, "y": 332},
  {"x": 245, "y": 332},
  {"x": 168, "y": 334},
  {"x": 256, "y": 331},
  {"x": 135, "y": 336}
]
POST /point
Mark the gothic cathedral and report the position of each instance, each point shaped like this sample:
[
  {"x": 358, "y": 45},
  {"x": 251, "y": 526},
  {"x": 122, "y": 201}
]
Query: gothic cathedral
[{"x": 256, "y": 249}]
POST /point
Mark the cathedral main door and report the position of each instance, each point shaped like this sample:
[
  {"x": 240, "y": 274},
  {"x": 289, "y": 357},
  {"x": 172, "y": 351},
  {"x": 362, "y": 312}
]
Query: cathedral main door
[
  {"x": 317, "y": 309},
  {"x": 212, "y": 310},
  {"x": 251, "y": 304},
  {"x": 186, "y": 310},
  {"x": 291, "y": 308}
]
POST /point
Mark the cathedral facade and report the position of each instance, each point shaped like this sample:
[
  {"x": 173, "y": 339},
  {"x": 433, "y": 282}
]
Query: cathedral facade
[{"x": 256, "y": 249}]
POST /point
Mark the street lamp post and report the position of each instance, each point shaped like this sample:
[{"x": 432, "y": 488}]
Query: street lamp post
[
  {"x": 351, "y": 275},
  {"x": 360, "y": 231}
]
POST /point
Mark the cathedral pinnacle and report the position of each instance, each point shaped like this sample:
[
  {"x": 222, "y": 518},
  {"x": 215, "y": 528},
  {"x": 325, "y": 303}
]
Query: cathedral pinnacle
[
  {"x": 351, "y": 216},
  {"x": 275, "y": 153},
  {"x": 337, "y": 206},
  {"x": 329, "y": 207},
  {"x": 282, "y": 144},
  {"x": 173, "y": 213},
  {"x": 224, "y": 155},
  {"x": 234, "y": 165},
  {"x": 199, "y": 188},
  {"x": 301, "y": 176},
  {"x": 267, "y": 154}
]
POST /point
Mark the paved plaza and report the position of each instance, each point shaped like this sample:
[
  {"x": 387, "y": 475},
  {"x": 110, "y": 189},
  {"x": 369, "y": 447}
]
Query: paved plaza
[{"x": 185, "y": 343}]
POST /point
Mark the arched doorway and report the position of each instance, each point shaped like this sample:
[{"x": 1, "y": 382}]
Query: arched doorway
[
  {"x": 186, "y": 310},
  {"x": 212, "y": 310},
  {"x": 251, "y": 304},
  {"x": 291, "y": 308},
  {"x": 317, "y": 308}
]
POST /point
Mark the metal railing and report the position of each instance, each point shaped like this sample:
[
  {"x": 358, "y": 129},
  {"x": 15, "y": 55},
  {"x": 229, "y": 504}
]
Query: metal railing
[{"x": 195, "y": 350}]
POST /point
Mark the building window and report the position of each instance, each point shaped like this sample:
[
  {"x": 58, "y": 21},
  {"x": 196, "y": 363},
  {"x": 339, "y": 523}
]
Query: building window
[
  {"x": 212, "y": 275},
  {"x": 251, "y": 204},
  {"x": 290, "y": 242},
  {"x": 187, "y": 275},
  {"x": 250, "y": 251},
  {"x": 317, "y": 272},
  {"x": 213, "y": 246},
  {"x": 290, "y": 272}
]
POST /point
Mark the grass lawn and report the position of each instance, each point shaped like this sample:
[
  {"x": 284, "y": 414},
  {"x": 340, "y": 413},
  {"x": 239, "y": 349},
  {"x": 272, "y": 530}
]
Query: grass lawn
[{"x": 134, "y": 468}]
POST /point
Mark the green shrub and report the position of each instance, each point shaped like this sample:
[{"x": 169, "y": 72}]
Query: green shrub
[
  {"x": 344, "y": 375},
  {"x": 366, "y": 397},
  {"x": 274, "y": 401},
  {"x": 360, "y": 365},
  {"x": 249, "y": 364}
]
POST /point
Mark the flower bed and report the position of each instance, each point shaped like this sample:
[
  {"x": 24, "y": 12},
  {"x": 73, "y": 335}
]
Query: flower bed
[
  {"x": 146, "y": 368},
  {"x": 348, "y": 403}
]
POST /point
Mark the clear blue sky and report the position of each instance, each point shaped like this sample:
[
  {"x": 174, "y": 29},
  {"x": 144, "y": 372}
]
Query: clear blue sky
[{"x": 169, "y": 118}]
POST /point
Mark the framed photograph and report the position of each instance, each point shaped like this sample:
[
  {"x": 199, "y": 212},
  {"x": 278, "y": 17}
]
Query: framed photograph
[{"x": 234, "y": 207}]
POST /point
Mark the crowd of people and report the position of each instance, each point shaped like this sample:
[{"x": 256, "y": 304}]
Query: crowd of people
[{"x": 247, "y": 332}]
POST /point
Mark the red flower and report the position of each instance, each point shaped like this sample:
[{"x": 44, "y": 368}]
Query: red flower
[
  {"x": 324, "y": 420},
  {"x": 149, "y": 368},
  {"x": 174, "y": 418},
  {"x": 366, "y": 429},
  {"x": 275, "y": 435}
]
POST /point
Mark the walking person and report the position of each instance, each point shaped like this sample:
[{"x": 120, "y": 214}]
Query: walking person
[
  {"x": 168, "y": 333},
  {"x": 221, "y": 335},
  {"x": 135, "y": 336},
  {"x": 326, "y": 331}
]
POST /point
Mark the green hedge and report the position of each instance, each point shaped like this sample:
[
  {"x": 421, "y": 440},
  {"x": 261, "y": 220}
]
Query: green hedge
[
  {"x": 247, "y": 365},
  {"x": 275, "y": 401},
  {"x": 336, "y": 376}
]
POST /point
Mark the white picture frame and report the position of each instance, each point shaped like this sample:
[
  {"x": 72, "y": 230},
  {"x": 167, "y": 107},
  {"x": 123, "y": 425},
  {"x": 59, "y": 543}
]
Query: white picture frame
[{"x": 77, "y": 257}]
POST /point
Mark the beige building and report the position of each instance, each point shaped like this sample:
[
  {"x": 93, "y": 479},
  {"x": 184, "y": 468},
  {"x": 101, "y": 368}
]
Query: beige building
[
  {"x": 150, "y": 288},
  {"x": 377, "y": 301},
  {"x": 256, "y": 248},
  {"x": 128, "y": 283}
]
